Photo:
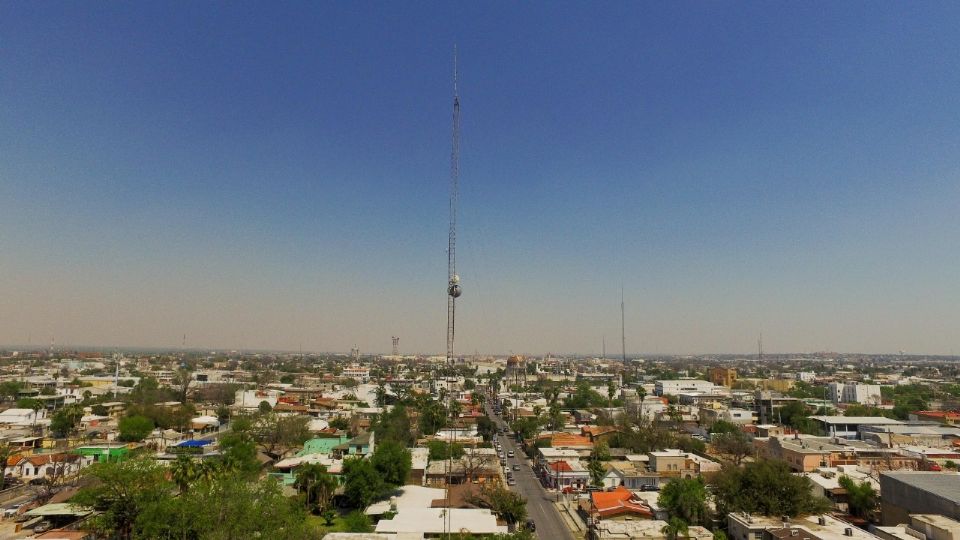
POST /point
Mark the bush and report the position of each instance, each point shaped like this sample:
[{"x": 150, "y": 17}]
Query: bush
[{"x": 357, "y": 522}]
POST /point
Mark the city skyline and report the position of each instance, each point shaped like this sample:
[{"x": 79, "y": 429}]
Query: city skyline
[{"x": 265, "y": 179}]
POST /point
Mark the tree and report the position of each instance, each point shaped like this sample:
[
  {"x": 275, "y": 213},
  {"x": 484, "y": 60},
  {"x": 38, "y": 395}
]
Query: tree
[
  {"x": 381, "y": 395},
  {"x": 147, "y": 392},
  {"x": 277, "y": 434},
  {"x": 121, "y": 492},
  {"x": 340, "y": 423},
  {"x": 239, "y": 452},
  {"x": 601, "y": 451},
  {"x": 9, "y": 390},
  {"x": 362, "y": 484},
  {"x": 861, "y": 497},
  {"x": 183, "y": 472},
  {"x": 508, "y": 505},
  {"x": 395, "y": 426},
  {"x": 486, "y": 428},
  {"x": 686, "y": 499},
  {"x": 597, "y": 472},
  {"x": 5, "y": 453},
  {"x": 135, "y": 428},
  {"x": 766, "y": 487},
  {"x": 317, "y": 486},
  {"x": 433, "y": 416},
  {"x": 734, "y": 445},
  {"x": 441, "y": 450},
  {"x": 264, "y": 407},
  {"x": 393, "y": 462},
  {"x": 674, "y": 529},
  {"x": 65, "y": 421},
  {"x": 722, "y": 426}
]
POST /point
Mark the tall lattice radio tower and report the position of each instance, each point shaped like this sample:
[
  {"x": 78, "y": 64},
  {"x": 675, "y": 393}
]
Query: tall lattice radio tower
[{"x": 453, "y": 280}]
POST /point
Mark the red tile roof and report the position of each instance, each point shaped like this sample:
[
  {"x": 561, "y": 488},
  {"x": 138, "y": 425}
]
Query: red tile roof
[{"x": 617, "y": 502}]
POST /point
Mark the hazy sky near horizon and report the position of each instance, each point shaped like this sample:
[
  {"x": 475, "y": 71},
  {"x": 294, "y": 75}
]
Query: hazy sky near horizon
[{"x": 275, "y": 174}]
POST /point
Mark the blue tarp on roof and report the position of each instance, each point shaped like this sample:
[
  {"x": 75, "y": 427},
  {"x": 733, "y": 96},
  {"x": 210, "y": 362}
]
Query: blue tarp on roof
[{"x": 196, "y": 443}]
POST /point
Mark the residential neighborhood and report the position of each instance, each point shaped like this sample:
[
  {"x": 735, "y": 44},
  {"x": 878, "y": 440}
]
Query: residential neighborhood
[{"x": 353, "y": 446}]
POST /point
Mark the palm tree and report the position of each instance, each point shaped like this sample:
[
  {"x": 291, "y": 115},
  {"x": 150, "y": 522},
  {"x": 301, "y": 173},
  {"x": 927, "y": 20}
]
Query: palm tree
[
  {"x": 675, "y": 528},
  {"x": 317, "y": 485},
  {"x": 183, "y": 471}
]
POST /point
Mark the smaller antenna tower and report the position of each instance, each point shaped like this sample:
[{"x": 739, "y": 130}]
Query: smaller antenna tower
[{"x": 760, "y": 347}]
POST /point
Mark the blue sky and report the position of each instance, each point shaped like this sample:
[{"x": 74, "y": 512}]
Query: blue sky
[{"x": 266, "y": 175}]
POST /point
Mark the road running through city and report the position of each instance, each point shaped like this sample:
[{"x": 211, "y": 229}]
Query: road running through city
[{"x": 540, "y": 507}]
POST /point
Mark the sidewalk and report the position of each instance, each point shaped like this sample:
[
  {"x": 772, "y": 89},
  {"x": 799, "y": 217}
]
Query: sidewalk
[{"x": 571, "y": 520}]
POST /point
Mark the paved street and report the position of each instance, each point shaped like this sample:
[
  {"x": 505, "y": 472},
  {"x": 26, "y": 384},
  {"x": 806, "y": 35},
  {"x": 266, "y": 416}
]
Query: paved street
[{"x": 539, "y": 503}]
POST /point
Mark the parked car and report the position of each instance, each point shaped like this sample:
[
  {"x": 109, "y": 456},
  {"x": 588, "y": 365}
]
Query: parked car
[
  {"x": 43, "y": 526},
  {"x": 511, "y": 481},
  {"x": 530, "y": 525},
  {"x": 649, "y": 487},
  {"x": 516, "y": 466},
  {"x": 11, "y": 511}
]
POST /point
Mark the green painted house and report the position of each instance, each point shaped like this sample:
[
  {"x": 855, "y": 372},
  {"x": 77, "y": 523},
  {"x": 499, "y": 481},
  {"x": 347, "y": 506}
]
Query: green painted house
[{"x": 103, "y": 452}]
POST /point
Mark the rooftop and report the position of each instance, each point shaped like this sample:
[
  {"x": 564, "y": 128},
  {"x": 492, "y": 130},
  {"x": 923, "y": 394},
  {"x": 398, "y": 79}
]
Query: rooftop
[
  {"x": 874, "y": 420},
  {"x": 943, "y": 484}
]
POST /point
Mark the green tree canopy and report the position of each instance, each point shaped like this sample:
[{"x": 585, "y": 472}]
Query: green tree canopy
[
  {"x": 65, "y": 420},
  {"x": 861, "y": 497},
  {"x": 393, "y": 461},
  {"x": 686, "y": 498},
  {"x": 508, "y": 505},
  {"x": 135, "y": 428},
  {"x": 362, "y": 483},
  {"x": 766, "y": 487},
  {"x": 316, "y": 485}
]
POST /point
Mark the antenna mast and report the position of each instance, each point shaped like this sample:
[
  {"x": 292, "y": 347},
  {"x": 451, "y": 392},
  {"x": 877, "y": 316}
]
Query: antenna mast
[
  {"x": 453, "y": 280},
  {"x": 623, "y": 331}
]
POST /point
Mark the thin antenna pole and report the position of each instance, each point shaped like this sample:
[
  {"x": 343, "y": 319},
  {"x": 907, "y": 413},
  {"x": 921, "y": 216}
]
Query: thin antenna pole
[{"x": 623, "y": 329}]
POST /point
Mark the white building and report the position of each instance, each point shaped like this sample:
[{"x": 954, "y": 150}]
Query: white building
[
  {"x": 682, "y": 386},
  {"x": 865, "y": 394},
  {"x": 357, "y": 372},
  {"x": 251, "y": 399},
  {"x": 806, "y": 376}
]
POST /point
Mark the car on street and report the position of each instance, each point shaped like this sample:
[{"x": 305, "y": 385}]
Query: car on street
[
  {"x": 503, "y": 461},
  {"x": 530, "y": 525},
  {"x": 516, "y": 467},
  {"x": 511, "y": 481},
  {"x": 11, "y": 511},
  {"x": 510, "y": 453},
  {"x": 649, "y": 487}
]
